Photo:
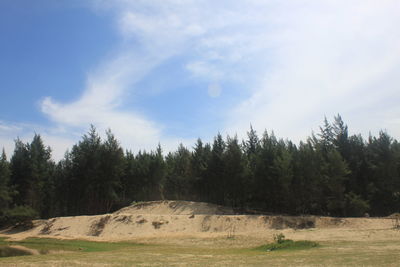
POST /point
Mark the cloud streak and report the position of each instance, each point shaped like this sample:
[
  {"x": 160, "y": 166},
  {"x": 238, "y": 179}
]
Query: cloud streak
[{"x": 101, "y": 102}]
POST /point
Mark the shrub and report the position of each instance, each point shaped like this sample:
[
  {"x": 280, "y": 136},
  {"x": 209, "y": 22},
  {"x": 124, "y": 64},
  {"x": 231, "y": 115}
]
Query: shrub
[
  {"x": 19, "y": 215},
  {"x": 279, "y": 238},
  {"x": 282, "y": 243}
]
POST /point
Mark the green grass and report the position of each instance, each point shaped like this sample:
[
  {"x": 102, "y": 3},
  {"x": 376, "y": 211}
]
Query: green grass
[
  {"x": 50, "y": 244},
  {"x": 206, "y": 252},
  {"x": 288, "y": 244}
]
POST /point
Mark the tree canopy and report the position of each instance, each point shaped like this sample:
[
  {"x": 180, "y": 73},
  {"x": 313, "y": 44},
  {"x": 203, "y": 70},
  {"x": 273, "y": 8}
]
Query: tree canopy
[{"x": 330, "y": 173}]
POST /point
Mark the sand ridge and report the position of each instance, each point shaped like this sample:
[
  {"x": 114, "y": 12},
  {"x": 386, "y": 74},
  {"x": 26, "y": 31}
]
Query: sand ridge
[{"x": 185, "y": 218}]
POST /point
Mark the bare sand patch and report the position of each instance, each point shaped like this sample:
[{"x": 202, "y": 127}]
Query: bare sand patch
[{"x": 186, "y": 221}]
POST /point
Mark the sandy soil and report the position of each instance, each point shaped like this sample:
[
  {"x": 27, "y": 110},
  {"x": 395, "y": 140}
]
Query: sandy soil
[{"x": 186, "y": 220}]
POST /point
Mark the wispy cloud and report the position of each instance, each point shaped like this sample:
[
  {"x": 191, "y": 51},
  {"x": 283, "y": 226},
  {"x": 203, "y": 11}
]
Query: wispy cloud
[{"x": 101, "y": 103}]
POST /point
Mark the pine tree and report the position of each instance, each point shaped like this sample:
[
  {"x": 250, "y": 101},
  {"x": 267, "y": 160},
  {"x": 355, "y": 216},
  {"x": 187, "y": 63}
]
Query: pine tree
[
  {"x": 335, "y": 173},
  {"x": 41, "y": 175},
  {"x": 20, "y": 174},
  {"x": 84, "y": 176},
  {"x": 216, "y": 182},
  {"x": 282, "y": 173},
  {"x": 111, "y": 171},
  {"x": 251, "y": 149},
  {"x": 307, "y": 181},
  {"x": 129, "y": 183},
  {"x": 201, "y": 156},
  {"x": 234, "y": 173},
  {"x": 264, "y": 184},
  {"x": 252, "y": 144},
  {"x": 5, "y": 191},
  {"x": 179, "y": 180},
  {"x": 384, "y": 176}
]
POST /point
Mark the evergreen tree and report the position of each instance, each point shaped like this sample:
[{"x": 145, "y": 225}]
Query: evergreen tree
[
  {"x": 20, "y": 174},
  {"x": 384, "y": 176},
  {"x": 252, "y": 144},
  {"x": 264, "y": 182},
  {"x": 331, "y": 173},
  {"x": 200, "y": 160},
  {"x": 64, "y": 197},
  {"x": 251, "y": 149},
  {"x": 179, "y": 180},
  {"x": 111, "y": 172},
  {"x": 130, "y": 184},
  {"x": 216, "y": 180},
  {"x": 41, "y": 175},
  {"x": 341, "y": 137},
  {"x": 307, "y": 181},
  {"x": 326, "y": 135},
  {"x": 149, "y": 172},
  {"x": 233, "y": 177},
  {"x": 5, "y": 191},
  {"x": 282, "y": 175},
  {"x": 335, "y": 172}
]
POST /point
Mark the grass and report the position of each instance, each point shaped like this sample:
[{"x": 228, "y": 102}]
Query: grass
[
  {"x": 204, "y": 253},
  {"x": 288, "y": 244},
  {"x": 51, "y": 244},
  {"x": 11, "y": 252}
]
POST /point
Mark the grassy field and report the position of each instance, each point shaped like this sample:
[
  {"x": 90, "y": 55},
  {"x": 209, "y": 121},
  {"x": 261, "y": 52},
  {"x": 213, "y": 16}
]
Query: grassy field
[{"x": 201, "y": 253}]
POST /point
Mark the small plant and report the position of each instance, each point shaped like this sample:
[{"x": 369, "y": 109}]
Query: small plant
[
  {"x": 287, "y": 244},
  {"x": 231, "y": 233},
  {"x": 279, "y": 238}
]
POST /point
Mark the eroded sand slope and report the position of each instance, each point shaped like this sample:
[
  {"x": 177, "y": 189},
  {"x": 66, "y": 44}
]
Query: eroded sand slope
[{"x": 163, "y": 218}]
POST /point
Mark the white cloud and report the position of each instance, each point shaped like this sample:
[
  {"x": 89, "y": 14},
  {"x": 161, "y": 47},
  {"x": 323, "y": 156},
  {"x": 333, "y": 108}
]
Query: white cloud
[
  {"x": 333, "y": 56},
  {"x": 58, "y": 140},
  {"x": 101, "y": 101},
  {"x": 148, "y": 43},
  {"x": 298, "y": 61}
]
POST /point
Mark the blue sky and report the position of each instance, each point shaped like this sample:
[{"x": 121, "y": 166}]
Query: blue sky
[{"x": 171, "y": 71}]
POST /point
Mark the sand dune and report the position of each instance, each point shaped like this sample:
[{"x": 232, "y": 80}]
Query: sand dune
[{"x": 161, "y": 218}]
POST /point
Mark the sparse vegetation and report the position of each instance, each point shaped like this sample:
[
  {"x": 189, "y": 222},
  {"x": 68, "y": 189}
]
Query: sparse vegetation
[
  {"x": 202, "y": 252},
  {"x": 51, "y": 244},
  {"x": 280, "y": 243}
]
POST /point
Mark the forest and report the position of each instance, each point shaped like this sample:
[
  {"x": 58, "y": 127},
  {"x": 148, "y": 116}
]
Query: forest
[{"x": 331, "y": 173}]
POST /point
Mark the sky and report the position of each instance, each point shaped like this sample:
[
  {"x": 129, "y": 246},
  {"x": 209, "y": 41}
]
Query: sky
[{"x": 172, "y": 71}]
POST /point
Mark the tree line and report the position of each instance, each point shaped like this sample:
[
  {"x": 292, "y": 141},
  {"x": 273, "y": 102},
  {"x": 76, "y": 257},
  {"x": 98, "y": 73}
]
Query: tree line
[{"x": 331, "y": 173}]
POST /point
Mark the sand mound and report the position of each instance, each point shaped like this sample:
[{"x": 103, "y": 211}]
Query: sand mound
[
  {"x": 161, "y": 218},
  {"x": 175, "y": 208}
]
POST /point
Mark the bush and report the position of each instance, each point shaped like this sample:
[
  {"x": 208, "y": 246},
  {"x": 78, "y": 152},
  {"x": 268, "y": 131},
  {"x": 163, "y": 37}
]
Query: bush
[
  {"x": 279, "y": 238},
  {"x": 19, "y": 215},
  {"x": 287, "y": 244}
]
